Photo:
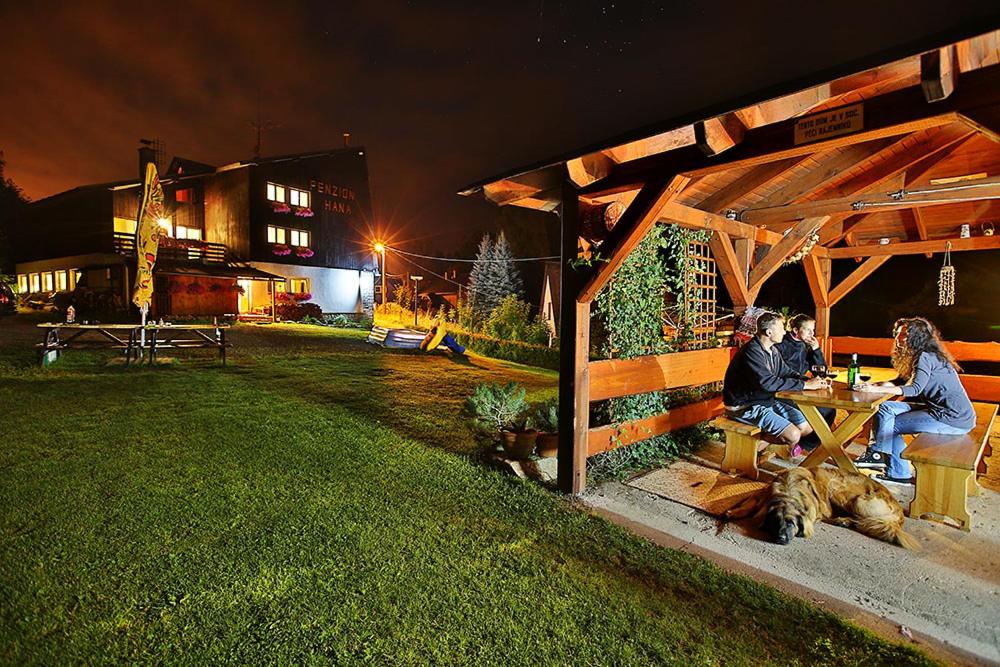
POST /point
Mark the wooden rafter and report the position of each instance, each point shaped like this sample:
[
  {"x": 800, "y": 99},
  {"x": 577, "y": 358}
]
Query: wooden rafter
[
  {"x": 757, "y": 177},
  {"x": 928, "y": 195},
  {"x": 733, "y": 275},
  {"x": 693, "y": 218},
  {"x": 631, "y": 228},
  {"x": 784, "y": 249},
  {"x": 917, "y": 247},
  {"x": 939, "y": 73},
  {"x": 855, "y": 278},
  {"x": 718, "y": 134},
  {"x": 819, "y": 283}
]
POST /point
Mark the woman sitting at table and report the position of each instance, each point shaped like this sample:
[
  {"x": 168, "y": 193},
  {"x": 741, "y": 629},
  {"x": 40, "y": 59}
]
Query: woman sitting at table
[{"x": 930, "y": 375}]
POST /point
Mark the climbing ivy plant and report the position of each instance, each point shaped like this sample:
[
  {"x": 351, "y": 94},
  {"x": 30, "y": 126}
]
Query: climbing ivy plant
[{"x": 631, "y": 309}]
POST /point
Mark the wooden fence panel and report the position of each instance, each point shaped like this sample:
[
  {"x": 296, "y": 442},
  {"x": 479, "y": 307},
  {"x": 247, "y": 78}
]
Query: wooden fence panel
[
  {"x": 882, "y": 347},
  {"x": 604, "y": 438},
  {"x": 610, "y": 378}
]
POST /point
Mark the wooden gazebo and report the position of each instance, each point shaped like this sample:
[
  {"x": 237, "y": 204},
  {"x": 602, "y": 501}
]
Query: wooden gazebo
[{"x": 888, "y": 161}]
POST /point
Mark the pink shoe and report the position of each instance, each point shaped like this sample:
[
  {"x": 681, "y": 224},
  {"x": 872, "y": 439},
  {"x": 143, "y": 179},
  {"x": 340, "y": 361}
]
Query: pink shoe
[{"x": 797, "y": 451}]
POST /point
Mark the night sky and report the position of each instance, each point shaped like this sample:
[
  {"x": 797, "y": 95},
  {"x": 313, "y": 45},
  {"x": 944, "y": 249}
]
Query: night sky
[{"x": 441, "y": 94}]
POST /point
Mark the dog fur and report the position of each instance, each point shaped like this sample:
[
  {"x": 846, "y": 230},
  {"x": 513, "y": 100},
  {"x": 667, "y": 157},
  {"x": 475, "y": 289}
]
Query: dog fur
[{"x": 801, "y": 496}]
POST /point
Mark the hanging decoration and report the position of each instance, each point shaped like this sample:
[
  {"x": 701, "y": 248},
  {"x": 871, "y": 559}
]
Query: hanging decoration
[
  {"x": 946, "y": 280},
  {"x": 810, "y": 243}
]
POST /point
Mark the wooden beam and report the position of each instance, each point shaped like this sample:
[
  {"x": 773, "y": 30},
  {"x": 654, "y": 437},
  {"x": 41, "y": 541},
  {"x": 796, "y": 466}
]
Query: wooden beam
[
  {"x": 916, "y": 248},
  {"x": 757, "y": 177},
  {"x": 819, "y": 285},
  {"x": 981, "y": 387},
  {"x": 927, "y": 195},
  {"x": 512, "y": 190},
  {"x": 921, "y": 226},
  {"x": 784, "y": 249},
  {"x": 899, "y": 112},
  {"x": 605, "y": 438},
  {"x": 693, "y": 218},
  {"x": 733, "y": 274},
  {"x": 715, "y": 135},
  {"x": 589, "y": 168},
  {"x": 631, "y": 228},
  {"x": 856, "y": 277},
  {"x": 938, "y": 73},
  {"x": 572, "y": 358},
  {"x": 744, "y": 256},
  {"x": 611, "y": 378}
]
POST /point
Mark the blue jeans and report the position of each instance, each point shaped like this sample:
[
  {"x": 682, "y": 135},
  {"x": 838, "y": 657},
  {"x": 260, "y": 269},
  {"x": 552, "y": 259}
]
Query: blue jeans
[
  {"x": 772, "y": 419},
  {"x": 895, "y": 418}
]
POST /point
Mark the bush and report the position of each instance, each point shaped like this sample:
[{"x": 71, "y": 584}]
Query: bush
[
  {"x": 494, "y": 407},
  {"x": 510, "y": 350},
  {"x": 296, "y": 312},
  {"x": 512, "y": 320}
]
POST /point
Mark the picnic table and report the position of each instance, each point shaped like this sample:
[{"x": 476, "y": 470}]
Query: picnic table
[
  {"x": 860, "y": 407},
  {"x": 128, "y": 338}
]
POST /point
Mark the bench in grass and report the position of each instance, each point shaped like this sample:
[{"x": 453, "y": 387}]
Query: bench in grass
[{"x": 946, "y": 467}]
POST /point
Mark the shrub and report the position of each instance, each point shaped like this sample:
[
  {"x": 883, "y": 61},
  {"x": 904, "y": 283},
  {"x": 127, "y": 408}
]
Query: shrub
[
  {"x": 512, "y": 320},
  {"x": 296, "y": 312},
  {"x": 494, "y": 407},
  {"x": 547, "y": 416},
  {"x": 510, "y": 350}
]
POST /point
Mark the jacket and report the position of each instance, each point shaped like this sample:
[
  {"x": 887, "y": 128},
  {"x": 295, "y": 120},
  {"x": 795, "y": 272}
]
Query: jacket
[{"x": 755, "y": 374}]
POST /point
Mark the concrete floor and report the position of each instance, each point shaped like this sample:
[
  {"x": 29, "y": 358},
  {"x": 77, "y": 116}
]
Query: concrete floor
[{"x": 947, "y": 595}]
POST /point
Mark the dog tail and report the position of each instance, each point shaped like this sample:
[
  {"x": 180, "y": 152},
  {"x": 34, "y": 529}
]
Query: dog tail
[{"x": 886, "y": 530}]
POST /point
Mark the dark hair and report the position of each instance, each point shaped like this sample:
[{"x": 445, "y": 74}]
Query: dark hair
[
  {"x": 765, "y": 320},
  {"x": 799, "y": 320},
  {"x": 921, "y": 336}
]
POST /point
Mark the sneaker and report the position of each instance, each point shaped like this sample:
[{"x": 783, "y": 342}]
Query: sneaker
[
  {"x": 872, "y": 459},
  {"x": 882, "y": 477}
]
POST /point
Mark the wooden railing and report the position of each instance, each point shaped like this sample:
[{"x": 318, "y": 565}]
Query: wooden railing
[
  {"x": 613, "y": 378},
  {"x": 979, "y": 387},
  {"x": 183, "y": 250}
]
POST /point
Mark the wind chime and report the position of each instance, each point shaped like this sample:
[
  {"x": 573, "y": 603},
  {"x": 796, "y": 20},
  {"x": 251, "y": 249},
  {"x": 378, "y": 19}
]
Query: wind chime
[{"x": 946, "y": 280}]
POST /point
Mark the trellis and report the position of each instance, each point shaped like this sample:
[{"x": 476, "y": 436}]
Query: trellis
[{"x": 698, "y": 305}]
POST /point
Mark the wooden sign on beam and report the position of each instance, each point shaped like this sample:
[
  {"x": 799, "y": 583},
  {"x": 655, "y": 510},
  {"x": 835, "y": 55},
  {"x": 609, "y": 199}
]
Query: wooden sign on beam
[{"x": 828, "y": 124}]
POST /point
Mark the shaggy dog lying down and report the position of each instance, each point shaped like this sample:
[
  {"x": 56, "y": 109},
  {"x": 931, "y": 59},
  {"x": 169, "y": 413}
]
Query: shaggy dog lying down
[{"x": 801, "y": 496}]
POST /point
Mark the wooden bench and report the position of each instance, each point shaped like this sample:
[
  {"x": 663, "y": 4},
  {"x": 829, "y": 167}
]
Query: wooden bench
[
  {"x": 741, "y": 447},
  {"x": 946, "y": 467}
]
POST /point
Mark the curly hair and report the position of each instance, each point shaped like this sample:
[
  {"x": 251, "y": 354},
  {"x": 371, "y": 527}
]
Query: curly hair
[{"x": 921, "y": 336}]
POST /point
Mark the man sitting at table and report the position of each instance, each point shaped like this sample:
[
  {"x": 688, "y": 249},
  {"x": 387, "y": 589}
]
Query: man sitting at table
[
  {"x": 800, "y": 350},
  {"x": 756, "y": 372}
]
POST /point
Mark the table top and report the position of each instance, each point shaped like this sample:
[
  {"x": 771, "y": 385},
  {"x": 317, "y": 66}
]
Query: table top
[
  {"x": 837, "y": 396},
  {"x": 179, "y": 327}
]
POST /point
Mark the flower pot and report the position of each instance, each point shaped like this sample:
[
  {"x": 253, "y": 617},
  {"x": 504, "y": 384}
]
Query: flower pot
[
  {"x": 518, "y": 445},
  {"x": 548, "y": 444}
]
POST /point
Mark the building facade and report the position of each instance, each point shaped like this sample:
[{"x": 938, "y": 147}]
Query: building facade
[{"x": 237, "y": 239}]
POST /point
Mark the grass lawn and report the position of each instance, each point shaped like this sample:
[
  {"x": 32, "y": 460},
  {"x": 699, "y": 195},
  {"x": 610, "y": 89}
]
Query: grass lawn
[{"x": 314, "y": 502}]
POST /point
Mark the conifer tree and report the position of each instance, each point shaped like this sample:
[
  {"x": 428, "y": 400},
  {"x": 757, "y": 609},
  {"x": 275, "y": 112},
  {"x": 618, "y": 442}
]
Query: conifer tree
[
  {"x": 480, "y": 291},
  {"x": 508, "y": 278}
]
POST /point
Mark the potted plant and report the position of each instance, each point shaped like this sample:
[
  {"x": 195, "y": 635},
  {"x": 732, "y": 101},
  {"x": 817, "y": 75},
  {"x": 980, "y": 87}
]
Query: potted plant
[
  {"x": 547, "y": 422},
  {"x": 501, "y": 411}
]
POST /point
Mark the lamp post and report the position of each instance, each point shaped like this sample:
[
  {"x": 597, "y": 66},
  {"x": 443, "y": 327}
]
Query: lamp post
[
  {"x": 416, "y": 283},
  {"x": 380, "y": 248}
]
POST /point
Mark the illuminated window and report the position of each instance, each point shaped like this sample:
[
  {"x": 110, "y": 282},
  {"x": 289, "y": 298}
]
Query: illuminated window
[
  {"x": 22, "y": 283},
  {"x": 62, "y": 281},
  {"x": 298, "y": 198},
  {"x": 298, "y": 285},
  {"x": 48, "y": 281},
  {"x": 191, "y": 233},
  {"x": 275, "y": 192},
  {"x": 74, "y": 275},
  {"x": 124, "y": 225},
  {"x": 280, "y": 235},
  {"x": 272, "y": 234},
  {"x": 186, "y": 195},
  {"x": 299, "y": 238},
  {"x": 166, "y": 226},
  {"x": 280, "y": 287},
  {"x": 36, "y": 282}
]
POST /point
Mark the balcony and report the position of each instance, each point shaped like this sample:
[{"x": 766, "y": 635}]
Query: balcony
[{"x": 178, "y": 250}]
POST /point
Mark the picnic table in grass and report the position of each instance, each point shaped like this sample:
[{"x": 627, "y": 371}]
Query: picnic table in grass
[
  {"x": 860, "y": 407},
  {"x": 58, "y": 337}
]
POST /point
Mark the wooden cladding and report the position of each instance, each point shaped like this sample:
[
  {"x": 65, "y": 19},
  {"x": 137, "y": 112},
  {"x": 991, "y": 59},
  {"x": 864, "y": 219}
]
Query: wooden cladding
[
  {"x": 882, "y": 347},
  {"x": 611, "y": 378},
  {"x": 604, "y": 438}
]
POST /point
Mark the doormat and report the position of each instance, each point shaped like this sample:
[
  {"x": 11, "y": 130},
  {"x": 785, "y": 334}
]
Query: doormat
[{"x": 696, "y": 486}]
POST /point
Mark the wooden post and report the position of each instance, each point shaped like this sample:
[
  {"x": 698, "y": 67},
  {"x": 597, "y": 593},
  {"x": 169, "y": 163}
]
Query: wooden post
[
  {"x": 818, "y": 274},
  {"x": 574, "y": 348}
]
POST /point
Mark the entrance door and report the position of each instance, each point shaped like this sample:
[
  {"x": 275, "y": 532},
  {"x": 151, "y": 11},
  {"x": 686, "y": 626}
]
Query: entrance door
[{"x": 246, "y": 296}]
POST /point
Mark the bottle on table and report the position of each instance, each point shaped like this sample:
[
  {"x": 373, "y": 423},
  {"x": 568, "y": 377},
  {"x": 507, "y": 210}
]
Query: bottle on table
[
  {"x": 70, "y": 315},
  {"x": 853, "y": 370}
]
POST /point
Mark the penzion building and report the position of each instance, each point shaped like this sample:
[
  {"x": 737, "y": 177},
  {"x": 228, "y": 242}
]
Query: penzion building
[{"x": 235, "y": 238}]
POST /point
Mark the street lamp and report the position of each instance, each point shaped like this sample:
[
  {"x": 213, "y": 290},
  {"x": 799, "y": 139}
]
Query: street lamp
[
  {"x": 416, "y": 283},
  {"x": 380, "y": 248}
]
